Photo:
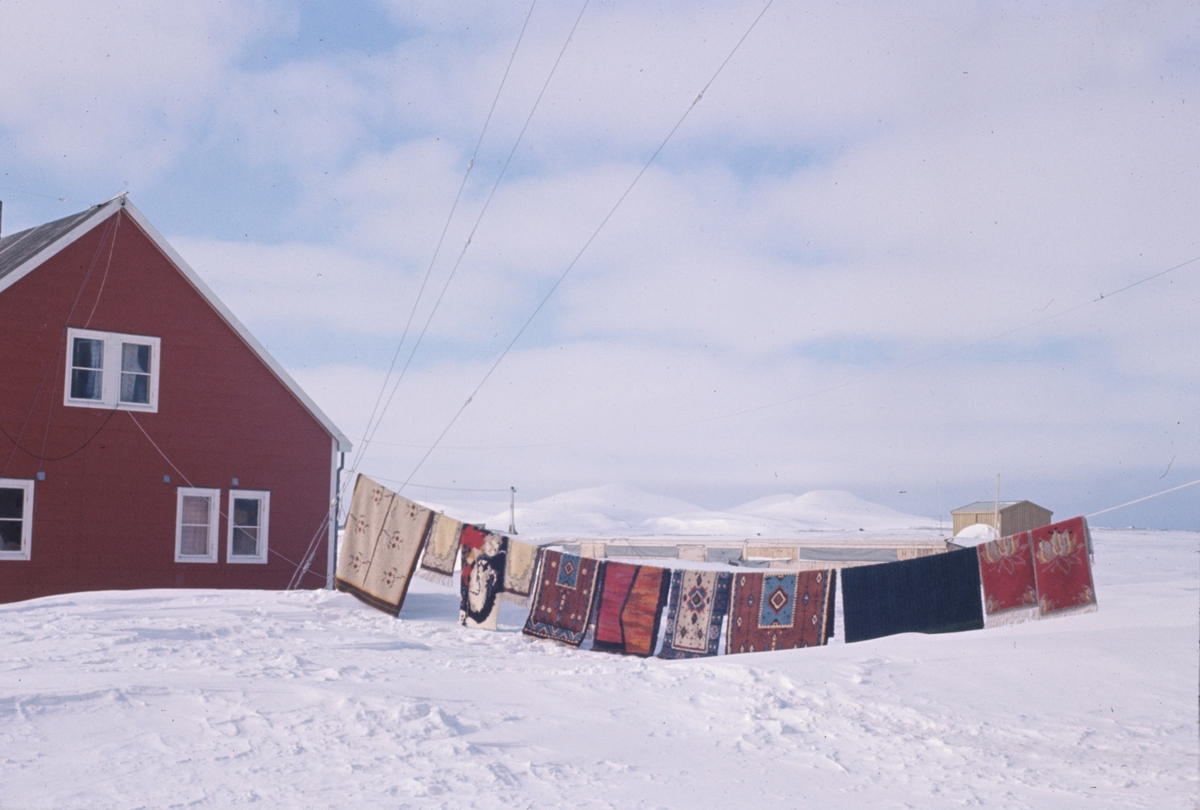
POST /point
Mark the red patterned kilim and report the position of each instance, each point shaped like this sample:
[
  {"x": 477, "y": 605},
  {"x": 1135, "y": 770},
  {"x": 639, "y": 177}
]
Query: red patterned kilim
[
  {"x": 1061, "y": 567},
  {"x": 630, "y": 607},
  {"x": 1006, "y": 571},
  {"x": 779, "y": 611},
  {"x": 562, "y": 597}
]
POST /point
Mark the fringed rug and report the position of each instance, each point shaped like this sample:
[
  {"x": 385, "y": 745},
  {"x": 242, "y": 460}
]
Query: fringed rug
[
  {"x": 483, "y": 562},
  {"x": 779, "y": 611},
  {"x": 441, "y": 551},
  {"x": 935, "y": 594},
  {"x": 696, "y": 609},
  {"x": 562, "y": 598},
  {"x": 1009, "y": 587},
  {"x": 383, "y": 536},
  {"x": 629, "y": 608},
  {"x": 1062, "y": 568},
  {"x": 518, "y": 571}
]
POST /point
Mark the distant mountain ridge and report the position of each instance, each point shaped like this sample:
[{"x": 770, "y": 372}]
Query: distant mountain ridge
[{"x": 621, "y": 510}]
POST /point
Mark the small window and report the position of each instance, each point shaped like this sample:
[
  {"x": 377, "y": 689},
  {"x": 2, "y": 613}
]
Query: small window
[
  {"x": 249, "y": 513},
  {"x": 87, "y": 369},
  {"x": 196, "y": 525},
  {"x": 111, "y": 370},
  {"x": 16, "y": 518}
]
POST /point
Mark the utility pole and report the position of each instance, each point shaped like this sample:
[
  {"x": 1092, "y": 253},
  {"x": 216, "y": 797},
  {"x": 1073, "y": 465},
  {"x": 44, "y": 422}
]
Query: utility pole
[
  {"x": 512, "y": 511},
  {"x": 996, "y": 519}
]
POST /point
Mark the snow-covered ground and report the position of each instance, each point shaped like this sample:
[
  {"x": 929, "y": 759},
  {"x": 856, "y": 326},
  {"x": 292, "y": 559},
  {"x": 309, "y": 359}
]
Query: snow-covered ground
[{"x": 311, "y": 699}]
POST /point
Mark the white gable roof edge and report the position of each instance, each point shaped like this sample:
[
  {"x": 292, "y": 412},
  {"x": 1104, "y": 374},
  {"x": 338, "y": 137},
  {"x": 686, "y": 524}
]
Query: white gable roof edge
[
  {"x": 121, "y": 202},
  {"x": 103, "y": 212},
  {"x": 344, "y": 445}
]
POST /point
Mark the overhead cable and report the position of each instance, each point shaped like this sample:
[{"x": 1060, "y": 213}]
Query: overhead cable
[
  {"x": 479, "y": 219},
  {"x": 1145, "y": 498},
  {"x": 587, "y": 243},
  {"x": 369, "y": 433}
]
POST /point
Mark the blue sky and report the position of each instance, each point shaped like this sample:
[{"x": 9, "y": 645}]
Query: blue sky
[{"x": 876, "y": 223}]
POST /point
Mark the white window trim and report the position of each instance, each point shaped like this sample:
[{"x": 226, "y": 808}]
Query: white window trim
[
  {"x": 264, "y": 519},
  {"x": 214, "y": 507},
  {"x": 26, "y": 518},
  {"x": 110, "y": 383}
]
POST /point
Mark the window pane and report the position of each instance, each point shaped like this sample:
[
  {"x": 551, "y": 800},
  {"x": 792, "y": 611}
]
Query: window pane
[
  {"x": 88, "y": 353},
  {"x": 195, "y": 510},
  {"x": 245, "y": 511},
  {"x": 135, "y": 357},
  {"x": 245, "y": 542},
  {"x": 135, "y": 388},
  {"x": 10, "y": 535},
  {"x": 194, "y": 540},
  {"x": 12, "y": 503},
  {"x": 85, "y": 384}
]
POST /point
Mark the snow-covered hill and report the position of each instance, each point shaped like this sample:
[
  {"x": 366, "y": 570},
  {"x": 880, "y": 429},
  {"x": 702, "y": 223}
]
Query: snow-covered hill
[
  {"x": 831, "y": 509},
  {"x": 213, "y": 699},
  {"x": 620, "y": 510}
]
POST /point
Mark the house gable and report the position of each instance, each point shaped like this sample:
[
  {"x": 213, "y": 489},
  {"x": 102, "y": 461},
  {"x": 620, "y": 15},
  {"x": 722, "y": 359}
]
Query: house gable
[
  {"x": 111, "y": 483},
  {"x": 22, "y": 253}
]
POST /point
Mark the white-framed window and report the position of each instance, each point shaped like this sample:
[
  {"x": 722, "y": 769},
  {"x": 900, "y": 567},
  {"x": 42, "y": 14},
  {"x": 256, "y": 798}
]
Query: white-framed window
[
  {"x": 111, "y": 370},
  {"x": 16, "y": 518},
  {"x": 249, "y": 519},
  {"x": 196, "y": 513}
]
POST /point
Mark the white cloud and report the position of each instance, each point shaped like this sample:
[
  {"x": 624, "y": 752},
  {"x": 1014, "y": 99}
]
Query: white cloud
[
  {"x": 90, "y": 84},
  {"x": 861, "y": 189}
]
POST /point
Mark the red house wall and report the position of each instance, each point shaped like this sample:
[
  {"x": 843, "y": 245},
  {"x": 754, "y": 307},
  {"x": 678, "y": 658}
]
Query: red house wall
[{"x": 103, "y": 517}]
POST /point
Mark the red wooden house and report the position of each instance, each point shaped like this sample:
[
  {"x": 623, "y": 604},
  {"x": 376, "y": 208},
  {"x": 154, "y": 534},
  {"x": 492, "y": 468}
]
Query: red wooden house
[{"x": 148, "y": 440}]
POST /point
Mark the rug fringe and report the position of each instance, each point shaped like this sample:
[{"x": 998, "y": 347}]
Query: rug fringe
[
  {"x": 436, "y": 577},
  {"x": 1078, "y": 610},
  {"x": 1012, "y": 616},
  {"x": 513, "y": 598}
]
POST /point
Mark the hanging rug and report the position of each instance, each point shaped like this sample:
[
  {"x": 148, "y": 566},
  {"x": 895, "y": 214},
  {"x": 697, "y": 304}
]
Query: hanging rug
[
  {"x": 562, "y": 598},
  {"x": 629, "y": 607},
  {"x": 696, "y": 609},
  {"x": 518, "y": 571},
  {"x": 441, "y": 550},
  {"x": 779, "y": 611},
  {"x": 1062, "y": 568},
  {"x": 1006, "y": 574},
  {"x": 482, "y": 578},
  {"x": 935, "y": 594},
  {"x": 384, "y": 534}
]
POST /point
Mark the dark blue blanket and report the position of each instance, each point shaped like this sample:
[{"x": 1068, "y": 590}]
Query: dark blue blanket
[{"x": 935, "y": 594}]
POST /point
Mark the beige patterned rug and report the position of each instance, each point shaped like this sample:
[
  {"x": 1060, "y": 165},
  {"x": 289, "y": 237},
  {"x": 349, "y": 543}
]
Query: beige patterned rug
[{"x": 383, "y": 537}]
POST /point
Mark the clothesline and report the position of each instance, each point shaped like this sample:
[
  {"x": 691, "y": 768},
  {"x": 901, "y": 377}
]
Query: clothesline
[
  {"x": 1145, "y": 498},
  {"x": 620, "y": 605}
]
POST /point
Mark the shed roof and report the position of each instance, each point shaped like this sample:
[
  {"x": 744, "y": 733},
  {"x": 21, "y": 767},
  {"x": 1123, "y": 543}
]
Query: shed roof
[
  {"x": 984, "y": 506},
  {"x": 23, "y": 252}
]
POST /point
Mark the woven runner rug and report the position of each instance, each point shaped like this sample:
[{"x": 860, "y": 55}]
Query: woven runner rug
[
  {"x": 441, "y": 551},
  {"x": 779, "y": 611},
  {"x": 562, "y": 598},
  {"x": 1009, "y": 588},
  {"x": 518, "y": 571},
  {"x": 383, "y": 537},
  {"x": 696, "y": 609},
  {"x": 1062, "y": 568},
  {"x": 484, "y": 555},
  {"x": 629, "y": 607},
  {"x": 935, "y": 594}
]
